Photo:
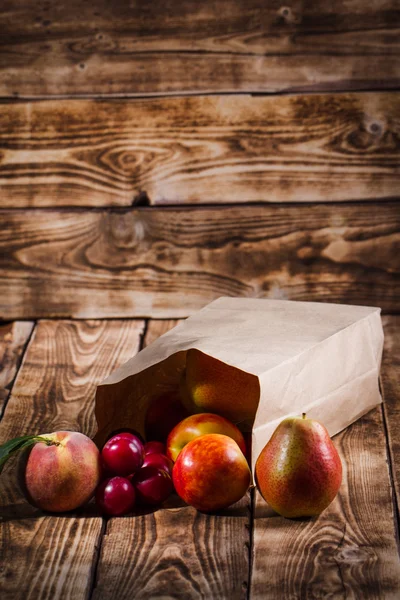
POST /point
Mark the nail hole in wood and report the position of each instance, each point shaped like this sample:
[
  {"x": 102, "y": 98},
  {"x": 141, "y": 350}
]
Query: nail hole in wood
[
  {"x": 374, "y": 128},
  {"x": 141, "y": 199}
]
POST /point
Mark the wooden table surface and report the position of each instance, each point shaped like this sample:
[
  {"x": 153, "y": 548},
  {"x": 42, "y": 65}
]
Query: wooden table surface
[{"x": 48, "y": 377}]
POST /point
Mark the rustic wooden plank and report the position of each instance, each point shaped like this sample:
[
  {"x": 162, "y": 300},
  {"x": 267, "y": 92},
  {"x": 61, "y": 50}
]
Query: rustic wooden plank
[
  {"x": 330, "y": 147},
  {"x": 13, "y": 339},
  {"x": 169, "y": 263},
  {"x": 225, "y": 45},
  {"x": 52, "y": 556},
  {"x": 390, "y": 380},
  {"x": 350, "y": 550},
  {"x": 175, "y": 552},
  {"x": 157, "y": 328}
]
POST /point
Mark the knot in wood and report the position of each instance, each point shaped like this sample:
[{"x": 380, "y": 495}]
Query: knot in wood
[
  {"x": 374, "y": 128},
  {"x": 354, "y": 554},
  {"x": 289, "y": 16}
]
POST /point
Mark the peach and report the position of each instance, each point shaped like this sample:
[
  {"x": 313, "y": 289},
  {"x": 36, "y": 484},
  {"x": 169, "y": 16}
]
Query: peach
[
  {"x": 216, "y": 387},
  {"x": 63, "y": 475}
]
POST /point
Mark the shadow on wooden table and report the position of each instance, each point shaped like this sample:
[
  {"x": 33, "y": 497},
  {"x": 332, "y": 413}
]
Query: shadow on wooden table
[
  {"x": 264, "y": 511},
  {"x": 24, "y": 510}
]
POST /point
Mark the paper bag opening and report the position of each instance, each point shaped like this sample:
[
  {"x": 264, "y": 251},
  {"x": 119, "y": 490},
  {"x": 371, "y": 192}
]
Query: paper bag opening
[
  {"x": 219, "y": 388},
  {"x": 322, "y": 359}
]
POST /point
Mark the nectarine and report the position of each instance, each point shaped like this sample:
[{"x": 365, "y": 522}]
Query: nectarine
[
  {"x": 200, "y": 424},
  {"x": 62, "y": 476},
  {"x": 211, "y": 472},
  {"x": 214, "y": 386}
]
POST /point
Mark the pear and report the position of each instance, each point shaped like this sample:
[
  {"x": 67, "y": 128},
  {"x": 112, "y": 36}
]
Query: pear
[{"x": 299, "y": 471}]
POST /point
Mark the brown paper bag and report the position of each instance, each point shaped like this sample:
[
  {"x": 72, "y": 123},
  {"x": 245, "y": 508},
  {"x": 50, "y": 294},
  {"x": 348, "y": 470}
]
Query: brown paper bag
[{"x": 321, "y": 359}]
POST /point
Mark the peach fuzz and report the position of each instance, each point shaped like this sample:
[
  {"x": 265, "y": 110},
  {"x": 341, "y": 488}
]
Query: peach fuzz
[{"x": 62, "y": 476}]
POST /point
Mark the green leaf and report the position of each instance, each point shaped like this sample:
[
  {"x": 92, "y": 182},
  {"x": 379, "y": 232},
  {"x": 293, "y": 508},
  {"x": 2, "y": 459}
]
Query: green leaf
[{"x": 16, "y": 444}]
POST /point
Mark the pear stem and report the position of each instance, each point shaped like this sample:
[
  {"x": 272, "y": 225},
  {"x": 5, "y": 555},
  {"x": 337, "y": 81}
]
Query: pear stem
[{"x": 303, "y": 415}]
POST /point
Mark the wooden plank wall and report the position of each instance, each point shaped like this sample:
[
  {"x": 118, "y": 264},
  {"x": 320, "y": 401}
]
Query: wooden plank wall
[
  {"x": 200, "y": 150},
  {"x": 108, "y": 263},
  {"x": 135, "y": 48},
  {"x": 103, "y": 185},
  {"x": 339, "y": 144}
]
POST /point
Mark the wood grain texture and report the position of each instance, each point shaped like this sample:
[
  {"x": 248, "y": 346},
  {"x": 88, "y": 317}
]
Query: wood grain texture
[
  {"x": 228, "y": 149},
  {"x": 390, "y": 379},
  {"x": 350, "y": 550},
  {"x": 157, "y": 328},
  {"x": 13, "y": 339},
  {"x": 225, "y": 45},
  {"x": 52, "y": 556},
  {"x": 176, "y": 551},
  {"x": 169, "y": 263}
]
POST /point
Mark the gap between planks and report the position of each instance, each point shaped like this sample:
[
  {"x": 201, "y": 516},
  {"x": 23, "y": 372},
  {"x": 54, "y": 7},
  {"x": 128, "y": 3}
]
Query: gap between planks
[
  {"x": 18, "y": 360},
  {"x": 390, "y": 87},
  {"x": 251, "y": 540},
  {"x": 389, "y": 381},
  {"x": 390, "y": 461},
  {"x": 105, "y": 520},
  {"x": 194, "y": 206}
]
